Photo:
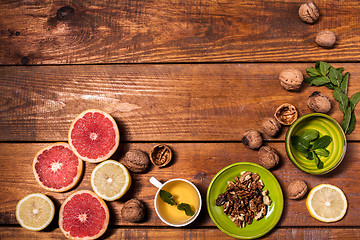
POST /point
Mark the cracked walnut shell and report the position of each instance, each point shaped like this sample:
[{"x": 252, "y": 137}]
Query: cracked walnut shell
[
  {"x": 160, "y": 155},
  {"x": 286, "y": 114},
  {"x": 291, "y": 79}
]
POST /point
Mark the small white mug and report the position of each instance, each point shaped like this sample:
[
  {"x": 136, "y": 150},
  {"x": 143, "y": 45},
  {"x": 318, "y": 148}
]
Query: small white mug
[{"x": 160, "y": 186}]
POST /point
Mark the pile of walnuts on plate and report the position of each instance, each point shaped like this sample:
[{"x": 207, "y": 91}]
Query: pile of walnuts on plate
[{"x": 244, "y": 199}]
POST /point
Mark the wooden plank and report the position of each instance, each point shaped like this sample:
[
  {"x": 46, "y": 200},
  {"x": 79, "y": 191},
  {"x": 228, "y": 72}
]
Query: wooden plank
[
  {"x": 11, "y": 233},
  {"x": 197, "y": 162},
  {"x": 173, "y": 31},
  {"x": 176, "y": 102}
]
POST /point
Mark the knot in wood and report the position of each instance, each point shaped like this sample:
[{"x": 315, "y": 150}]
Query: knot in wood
[{"x": 65, "y": 13}]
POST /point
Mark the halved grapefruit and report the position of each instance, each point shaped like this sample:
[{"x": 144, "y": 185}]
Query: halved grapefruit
[
  {"x": 57, "y": 168},
  {"x": 83, "y": 215},
  {"x": 94, "y": 136}
]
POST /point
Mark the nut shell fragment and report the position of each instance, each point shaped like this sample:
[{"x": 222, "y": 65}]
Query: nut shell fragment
[
  {"x": 296, "y": 189},
  {"x": 160, "y": 155},
  {"x": 286, "y": 114}
]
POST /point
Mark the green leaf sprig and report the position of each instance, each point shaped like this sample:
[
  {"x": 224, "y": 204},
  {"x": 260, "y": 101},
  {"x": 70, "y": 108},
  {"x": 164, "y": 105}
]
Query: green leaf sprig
[
  {"x": 323, "y": 74},
  {"x": 311, "y": 145},
  {"x": 169, "y": 198}
]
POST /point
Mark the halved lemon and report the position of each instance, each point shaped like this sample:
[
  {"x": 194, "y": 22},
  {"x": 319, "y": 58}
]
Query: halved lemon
[
  {"x": 326, "y": 203},
  {"x": 110, "y": 180},
  {"x": 35, "y": 211}
]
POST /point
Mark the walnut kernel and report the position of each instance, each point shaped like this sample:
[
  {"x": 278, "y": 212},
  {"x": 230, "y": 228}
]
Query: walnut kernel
[
  {"x": 286, "y": 114},
  {"x": 325, "y": 39},
  {"x": 271, "y": 126},
  {"x": 268, "y": 157},
  {"x": 308, "y": 12},
  {"x": 252, "y": 139},
  {"x": 319, "y": 102},
  {"x": 291, "y": 79}
]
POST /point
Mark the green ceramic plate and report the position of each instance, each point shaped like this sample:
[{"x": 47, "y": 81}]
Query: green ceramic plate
[
  {"x": 326, "y": 126},
  {"x": 257, "y": 228}
]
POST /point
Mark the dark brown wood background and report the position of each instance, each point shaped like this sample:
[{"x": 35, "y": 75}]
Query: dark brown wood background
[{"x": 192, "y": 74}]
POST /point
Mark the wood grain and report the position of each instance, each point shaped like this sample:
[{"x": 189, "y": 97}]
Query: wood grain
[
  {"x": 173, "y": 31},
  {"x": 10, "y": 233},
  {"x": 171, "y": 102},
  {"x": 197, "y": 162}
]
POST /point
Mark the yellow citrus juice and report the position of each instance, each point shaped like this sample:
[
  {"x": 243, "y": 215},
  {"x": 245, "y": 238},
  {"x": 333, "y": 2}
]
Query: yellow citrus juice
[{"x": 182, "y": 192}]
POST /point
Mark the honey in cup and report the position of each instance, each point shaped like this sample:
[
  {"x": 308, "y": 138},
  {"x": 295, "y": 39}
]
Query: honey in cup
[{"x": 183, "y": 192}]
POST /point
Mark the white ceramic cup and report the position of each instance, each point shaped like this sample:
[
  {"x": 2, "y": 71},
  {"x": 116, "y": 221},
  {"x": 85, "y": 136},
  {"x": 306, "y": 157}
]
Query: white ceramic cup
[{"x": 160, "y": 186}]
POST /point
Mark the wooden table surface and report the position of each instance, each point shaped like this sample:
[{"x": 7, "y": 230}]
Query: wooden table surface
[{"x": 193, "y": 74}]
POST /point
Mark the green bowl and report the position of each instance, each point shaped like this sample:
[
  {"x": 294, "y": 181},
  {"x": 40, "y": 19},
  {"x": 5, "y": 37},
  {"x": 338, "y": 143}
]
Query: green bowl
[
  {"x": 258, "y": 228},
  {"x": 326, "y": 125}
]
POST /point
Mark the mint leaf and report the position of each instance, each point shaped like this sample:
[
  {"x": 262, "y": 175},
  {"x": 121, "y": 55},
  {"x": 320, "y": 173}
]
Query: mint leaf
[
  {"x": 346, "y": 120},
  {"x": 324, "y": 68},
  {"x": 344, "y": 83},
  {"x": 310, "y": 155},
  {"x": 186, "y": 207},
  {"x": 318, "y": 81},
  {"x": 316, "y": 158},
  {"x": 335, "y": 76},
  {"x": 312, "y": 72},
  {"x": 341, "y": 98},
  {"x": 318, "y": 162},
  {"x": 351, "y": 124},
  {"x": 354, "y": 100},
  {"x": 330, "y": 85},
  {"x": 322, "y": 142},
  {"x": 322, "y": 152},
  {"x": 310, "y": 134},
  {"x": 300, "y": 143},
  {"x": 340, "y": 69},
  {"x": 167, "y": 197}
]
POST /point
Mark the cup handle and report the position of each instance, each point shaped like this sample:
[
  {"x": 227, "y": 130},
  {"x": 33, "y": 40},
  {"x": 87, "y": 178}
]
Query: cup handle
[{"x": 155, "y": 182}]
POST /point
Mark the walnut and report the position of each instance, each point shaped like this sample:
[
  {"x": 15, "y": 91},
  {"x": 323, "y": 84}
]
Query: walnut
[
  {"x": 308, "y": 12},
  {"x": 136, "y": 160},
  {"x": 319, "y": 102},
  {"x": 286, "y": 114},
  {"x": 268, "y": 157},
  {"x": 271, "y": 126},
  {"x": 291, "y": 79},
  {"x": 325, "y": 39},
  {"x": 252, "y": 139},
  {"x": 296, "y": 189},
  {"x": 160, "y": 155},
  {"x": 133, "y": 210}
]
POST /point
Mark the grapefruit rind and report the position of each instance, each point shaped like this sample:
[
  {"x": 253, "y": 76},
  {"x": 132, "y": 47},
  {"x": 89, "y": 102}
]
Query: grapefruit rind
[
  {"x": 31, "y": 211},
  {"x": 76, "y": 178},
  {"x": 103, "y": 205},
  {"x": 117, "y": 136},
  {"x": 313, "y": 212},
  {"x": 121, "y": 191}
]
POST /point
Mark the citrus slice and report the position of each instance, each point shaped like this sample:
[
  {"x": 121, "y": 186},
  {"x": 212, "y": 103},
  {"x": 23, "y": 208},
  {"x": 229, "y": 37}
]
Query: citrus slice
[
  {"x": 110, "y": 180},
  {"x": 94, "y": 136},
  {"x": 35, "y": 211},
  {"x": 83, "y": 215},
  {"x": 326, "y": 203},
  {"x": 57, "y": 168}
]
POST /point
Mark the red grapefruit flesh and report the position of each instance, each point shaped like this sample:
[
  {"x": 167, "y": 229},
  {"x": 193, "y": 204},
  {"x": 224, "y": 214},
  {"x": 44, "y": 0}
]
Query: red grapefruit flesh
[
  {"x": 94, "y": 136},
  {"x": 57, "y": 168},
  {"x": 83, "y": 215}
]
